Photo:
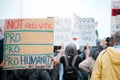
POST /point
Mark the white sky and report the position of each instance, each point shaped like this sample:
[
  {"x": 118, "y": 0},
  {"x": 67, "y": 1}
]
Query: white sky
[{"x": 98, "y": 9}]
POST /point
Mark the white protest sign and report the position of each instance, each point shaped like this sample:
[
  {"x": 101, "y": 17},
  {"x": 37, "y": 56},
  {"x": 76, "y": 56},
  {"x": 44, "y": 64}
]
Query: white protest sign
[
  {"x": 86, "y": 28},
  {"x": 75, "y": 32},
  {"x": 62, "y": 31},
  {"x": 115, "y": 18}
]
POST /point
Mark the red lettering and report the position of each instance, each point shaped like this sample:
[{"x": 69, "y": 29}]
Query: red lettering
[
  {"x": 49, "y": 26},
  {"x": 31, "y": 26},
  {"x": 45, "y": 26},
  {"x": 34, "y": 26},
  {"x": 38, "y": 26},
  {"x": 14, "y": 24},
  {"x": 27, "y": 25},
  {"x": 10, "y": 24},
  {"x": 115, "y": 12}
]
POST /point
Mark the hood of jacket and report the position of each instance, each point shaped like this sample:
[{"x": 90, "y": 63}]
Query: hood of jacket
[{"x": 114, "y": 55}]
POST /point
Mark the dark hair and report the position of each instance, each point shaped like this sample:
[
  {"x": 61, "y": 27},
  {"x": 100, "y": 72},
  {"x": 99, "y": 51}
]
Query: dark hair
[
  {"x": 108, "y": 39},
  {"x": 117, "y": 37},
  {"x": 56, "y": 48}
]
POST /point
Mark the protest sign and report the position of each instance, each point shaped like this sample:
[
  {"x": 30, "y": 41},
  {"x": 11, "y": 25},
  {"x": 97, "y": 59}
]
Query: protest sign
[
  {"x": 62, "y": 31},
  {"x": 85, "y": 31},
  {"x": 115, "y": 17},
  {"x": 28, "y": 44}
]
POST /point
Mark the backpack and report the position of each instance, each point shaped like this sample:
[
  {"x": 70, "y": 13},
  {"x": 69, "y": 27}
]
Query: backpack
[{"x": 70, "y": 72}]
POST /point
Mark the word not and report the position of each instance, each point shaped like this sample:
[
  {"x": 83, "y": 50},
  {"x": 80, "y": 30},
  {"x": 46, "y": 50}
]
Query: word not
[{"x": 14, "y": 24}]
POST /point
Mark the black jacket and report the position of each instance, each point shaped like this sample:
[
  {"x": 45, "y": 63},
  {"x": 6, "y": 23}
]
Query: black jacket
[
  {"x": 1, "y": 49},
  {"x": 94, "y": 51}
]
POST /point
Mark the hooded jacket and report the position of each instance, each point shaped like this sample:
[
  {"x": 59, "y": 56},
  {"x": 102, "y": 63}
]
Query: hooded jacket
[{"x": 107, "y": 65}]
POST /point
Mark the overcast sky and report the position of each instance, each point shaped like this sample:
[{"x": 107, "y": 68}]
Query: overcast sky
[{"x": 98, "y": 9}]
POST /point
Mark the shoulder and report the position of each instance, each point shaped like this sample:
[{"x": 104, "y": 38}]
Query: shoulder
[
  {"x": 79, "y": 59},
  {"x": 103, "y": 52}
]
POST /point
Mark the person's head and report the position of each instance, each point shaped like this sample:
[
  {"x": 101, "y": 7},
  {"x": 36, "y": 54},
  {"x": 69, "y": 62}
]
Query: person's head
[
  {"x": 70, "y": 50},
  {"x": 117, "y": 37}
]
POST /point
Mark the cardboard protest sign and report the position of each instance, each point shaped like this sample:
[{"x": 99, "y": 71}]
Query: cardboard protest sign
[
  {"x": 28, "y": 44},
  {"x": 62, "y": 31},
  {"x": 115, "y": 16},
  {"x": 86, "y": 31}
]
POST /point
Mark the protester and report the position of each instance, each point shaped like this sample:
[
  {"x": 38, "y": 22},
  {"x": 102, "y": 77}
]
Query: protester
[
  {"x": 70, "y": 60},
  {"x": 1, "y": 52},
  {"x": 107, "y": 65},
  {"x": 87, "y": 64},
  {"x": 1, "y": 57},
  {"x": 1, "y": 46}
]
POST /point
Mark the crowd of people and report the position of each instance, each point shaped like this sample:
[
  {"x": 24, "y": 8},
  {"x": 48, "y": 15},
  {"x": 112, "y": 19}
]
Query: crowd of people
[{"x": 101, "y": 62}]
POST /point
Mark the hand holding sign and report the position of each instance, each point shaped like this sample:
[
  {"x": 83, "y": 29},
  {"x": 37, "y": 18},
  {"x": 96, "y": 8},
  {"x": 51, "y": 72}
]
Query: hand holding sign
[{"x": 56, "y": 59}]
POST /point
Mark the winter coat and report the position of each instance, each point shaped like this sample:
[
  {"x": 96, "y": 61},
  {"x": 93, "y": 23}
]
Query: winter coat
[
  {"x": 107, "y": 65},
  {"x": 94, "y": 51},
  {"x": 87, "y": 65}
]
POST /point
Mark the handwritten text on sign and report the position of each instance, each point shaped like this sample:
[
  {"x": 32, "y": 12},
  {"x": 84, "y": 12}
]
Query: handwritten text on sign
[
  {"x": 62, "y": 31},
  {"x": 86, "y": 30},
  {"x": 28, "y": 43}
]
